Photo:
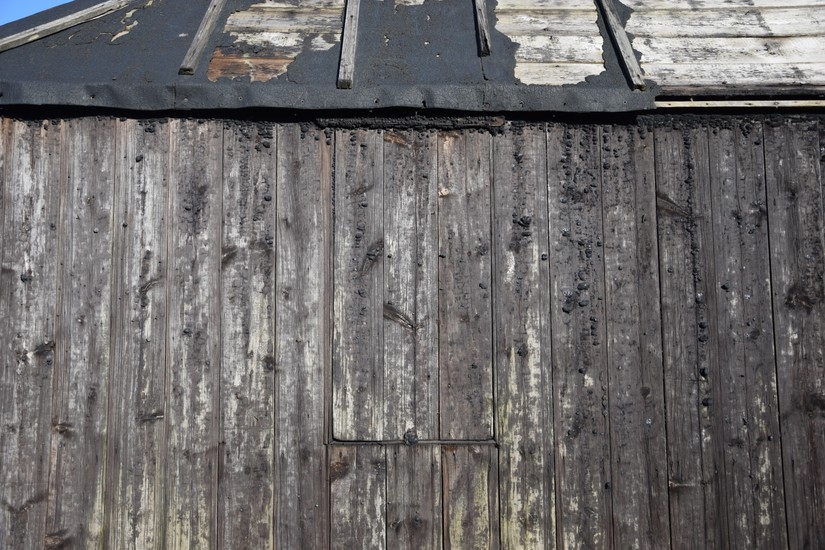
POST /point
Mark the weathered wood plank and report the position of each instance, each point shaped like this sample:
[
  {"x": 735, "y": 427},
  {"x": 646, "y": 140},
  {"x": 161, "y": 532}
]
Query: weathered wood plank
[
  {"x": 544, "y": 5},
  {"x": 358, "y": 358},
  {"x": 246, "y": 484},
  {"x": 524, "y": 385},
  {"x": 580, "y": 377},
  {"x": 634, "y": 339},
  {"x": 134, "y": 472},
  {"x": 410, "y": 294},
  {"x": 470, "y": 492},
  {"x": 414, "y": 497},
  {"x": 193, "y": 337},
  {"x": 718, "y": 75},
  {"x": 556, "y": 74},
  {"x": 690, "y": 369},
  {"x": 292, "y": 19},
  {"x": 795, "y": 205},
  {"x": 734, "y": 20},
  {"x": 782, "y": 50},
  {"x": 626, "y": 54},
  {"x": 349, "y": 44},
  {"x": 301, "y": 358},
  {"x": 747, "y": 413},
  {"x": 464, "y": 281},
  {"x": 543, "y": 48},
  {"x": 358, "y": 496},
  {"x": 53, "y": 27},
  {"x": 709, "y": 6},
  {"x": 202, "y": 37},
  {"x": 31, "y": 170},
  {"x": 82, "y": 358},
  {"x": 580, "y": 22},
  {"x": 482, "y": 27}
]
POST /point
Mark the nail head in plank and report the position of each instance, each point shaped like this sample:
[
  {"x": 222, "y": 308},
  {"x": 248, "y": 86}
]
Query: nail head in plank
[
  {"x": 210, "y": 21},
  {"x": 482, "y": 28},
  {"x": 622, "y": 43},
  {"x": 349, "y": 43},
  {"x": 54, "y": 27}
]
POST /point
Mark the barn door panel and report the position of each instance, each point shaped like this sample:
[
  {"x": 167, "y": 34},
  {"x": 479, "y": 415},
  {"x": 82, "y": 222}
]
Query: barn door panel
[{"x": 412, "y": 309}]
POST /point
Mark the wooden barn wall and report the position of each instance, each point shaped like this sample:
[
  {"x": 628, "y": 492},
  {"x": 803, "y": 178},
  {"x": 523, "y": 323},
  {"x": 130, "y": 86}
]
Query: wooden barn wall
[{"x": 222, "y": 334}]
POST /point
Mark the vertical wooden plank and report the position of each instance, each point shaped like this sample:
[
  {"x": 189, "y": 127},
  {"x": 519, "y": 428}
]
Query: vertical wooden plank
[
  {"x": 246, "y": 495},
  {"x": 134, "y": 502},
  {"x": 358, "y": 361},
  {"x": 82, "y": 359},
  {"x": 795, "y": 206},
  {"x": 358, "y": 489},
  {"x": 687, "y": 298},
  {"x": 634, "y": 339},
  {"x": 410, "y": 299},
  {"x": 748, "y": 408},
  {"x": 580, "y": 377},
  {"x": 302, "y": 309},
  {"x": 470, "y": 492},
  {"x": 28, "y": 275},
  {"x": 464, "y": 281},
  {"x": 193, "y": 338},
  {"x": 524, "y": 385},
  {"x": 414, "y": 518}
]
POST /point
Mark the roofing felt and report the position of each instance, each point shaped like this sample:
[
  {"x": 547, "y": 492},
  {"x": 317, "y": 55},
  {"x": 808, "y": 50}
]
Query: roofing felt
[{"x": 545, "y": 55}]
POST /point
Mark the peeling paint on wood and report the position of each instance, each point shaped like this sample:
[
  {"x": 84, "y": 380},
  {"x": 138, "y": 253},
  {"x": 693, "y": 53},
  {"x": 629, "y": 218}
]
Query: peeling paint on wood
[
  {"x": 557, "y": 43},
  {"x": 717, "y": 44},
  {"x": 267, "y": 37}
]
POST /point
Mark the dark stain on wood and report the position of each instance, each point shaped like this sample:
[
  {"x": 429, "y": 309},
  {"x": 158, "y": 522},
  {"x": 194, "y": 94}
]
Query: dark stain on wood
[{"x": 555, "y": 334}]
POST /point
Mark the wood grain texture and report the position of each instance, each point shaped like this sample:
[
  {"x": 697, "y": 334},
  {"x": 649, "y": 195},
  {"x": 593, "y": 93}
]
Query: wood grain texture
[
  {"x": 358, "y": 358},
  {"x": 622, "y": 43},
  {"x": 358, "y": 497},
  {"x": 246, "y": 505},
  {"x": 349, "y": 44},
  {"x": 482, "y": 27},
  {"x": 470, "y": 492},
  {"x": 202, "y": 37},
  {"x": 30, "y": 165},
  {"x": 690, "y": 370},
  {"x": 579, "y": 365},
  {"x": 137, "y": 415},
  {"x": 193, "y": 336},
  {"x": 464, "y": 281},
  {"x": 795, "y": 205},
  {"x": 410, "y": 294},
  {"x": 53, "y": 27},
  {"x": 748, "y": 410},
  {"x": 304, "y": 188},
  {"x": 634, "y": 339},
  {"x": 524, "y": 385},
  {"x": 82, "y": 357},
  {"x": 414, "y": 506},
  {"x": 737, "y": 20}
]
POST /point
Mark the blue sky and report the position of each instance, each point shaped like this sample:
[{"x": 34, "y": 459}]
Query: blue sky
[{"x": 12, "y": 10}]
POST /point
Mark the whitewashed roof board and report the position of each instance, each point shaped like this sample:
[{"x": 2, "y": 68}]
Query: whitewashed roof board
[
  {"x": 473, "y": 55},
  {"x": 706, "y": 45}
]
